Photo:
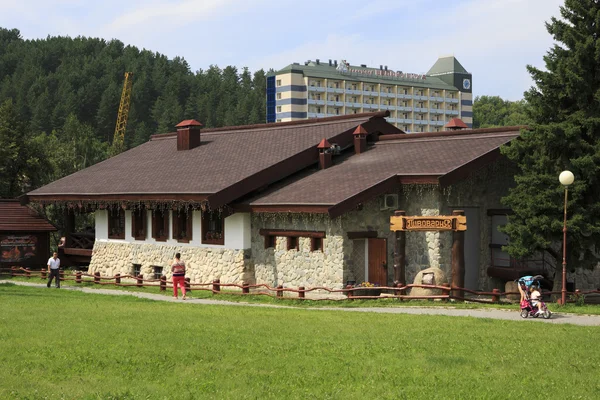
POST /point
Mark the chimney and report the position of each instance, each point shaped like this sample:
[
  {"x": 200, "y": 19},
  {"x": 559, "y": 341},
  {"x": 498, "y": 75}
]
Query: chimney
[
  {"x": 188, "y": 134},
  {"x": 330, "y": 62},
  {"x": 360, "y": 139},
  {"x": 318, "y": 61},
  {"x": 380, "y": 67},
  {"x": 335, "y": 63},
  {"x": 325, "y": 154}
]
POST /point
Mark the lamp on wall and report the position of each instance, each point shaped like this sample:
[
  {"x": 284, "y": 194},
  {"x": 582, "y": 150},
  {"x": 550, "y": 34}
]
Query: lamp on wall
[{"x": 566, "y": 178}]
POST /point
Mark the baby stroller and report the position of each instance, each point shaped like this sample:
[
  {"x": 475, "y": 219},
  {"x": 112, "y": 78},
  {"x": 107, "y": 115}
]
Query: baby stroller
[{"x": 527, "y": 307}]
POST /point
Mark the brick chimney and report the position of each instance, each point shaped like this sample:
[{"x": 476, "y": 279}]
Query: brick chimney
[
  {"x": 325, "y": 156},
  {"x": 188, "y": 134},
  {"x": 360, "y": 140}
]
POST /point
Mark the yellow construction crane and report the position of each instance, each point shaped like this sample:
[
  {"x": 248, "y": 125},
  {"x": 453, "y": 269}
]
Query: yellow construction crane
[{"x": 118, "y": 144}]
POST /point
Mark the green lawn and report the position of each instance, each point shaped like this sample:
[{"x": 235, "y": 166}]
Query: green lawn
[{"x": 65, "y": 344}]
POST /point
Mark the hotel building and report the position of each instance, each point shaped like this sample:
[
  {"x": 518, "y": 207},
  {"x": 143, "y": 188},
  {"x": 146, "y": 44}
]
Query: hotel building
[{"x": 416, "y": 102}]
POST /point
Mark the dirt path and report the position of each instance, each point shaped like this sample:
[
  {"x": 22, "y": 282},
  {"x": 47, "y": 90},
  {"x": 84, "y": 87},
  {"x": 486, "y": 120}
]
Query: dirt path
[{"x": 557, "y": 318}]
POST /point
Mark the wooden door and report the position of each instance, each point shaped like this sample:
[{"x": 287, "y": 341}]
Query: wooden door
[{"x": 378, "y": 261}]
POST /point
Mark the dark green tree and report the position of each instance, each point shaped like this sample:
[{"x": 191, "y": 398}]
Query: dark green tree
[{"x": 565, "y": 134}]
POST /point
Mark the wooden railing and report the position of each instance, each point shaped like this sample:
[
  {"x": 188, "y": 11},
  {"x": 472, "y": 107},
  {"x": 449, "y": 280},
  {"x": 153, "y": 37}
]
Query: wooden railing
[
  {"x": 391, "y": 292},
  {"x": 81, "y": 241}
]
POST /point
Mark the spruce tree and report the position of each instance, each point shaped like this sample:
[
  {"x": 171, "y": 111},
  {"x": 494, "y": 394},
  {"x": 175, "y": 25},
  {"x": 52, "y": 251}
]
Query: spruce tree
[{"x": 564, "y": 135}]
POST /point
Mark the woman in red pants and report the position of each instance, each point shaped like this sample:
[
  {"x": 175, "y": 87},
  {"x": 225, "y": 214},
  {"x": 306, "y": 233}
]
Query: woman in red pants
[{"x": 178, "y": 270}]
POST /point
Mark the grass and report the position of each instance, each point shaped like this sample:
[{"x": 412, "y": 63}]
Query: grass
[
  {"x": 73, "y": 345},
  {"x": 572, "y": 308}
]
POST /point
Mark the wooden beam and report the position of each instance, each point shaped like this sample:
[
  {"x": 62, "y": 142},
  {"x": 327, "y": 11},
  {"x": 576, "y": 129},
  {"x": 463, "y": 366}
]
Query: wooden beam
[
  {"x": 362, "y": 235},
  {"x": 399, "y": 254},
  {"x": 316, "y": 209},
  {"x": 288, "y": 233}
]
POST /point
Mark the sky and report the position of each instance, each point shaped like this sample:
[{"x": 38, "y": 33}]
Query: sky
[{"x": 493, "y": 39}]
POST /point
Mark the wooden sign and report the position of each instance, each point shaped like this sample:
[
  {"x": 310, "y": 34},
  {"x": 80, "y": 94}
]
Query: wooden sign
[{"x": 441, "y": 223}]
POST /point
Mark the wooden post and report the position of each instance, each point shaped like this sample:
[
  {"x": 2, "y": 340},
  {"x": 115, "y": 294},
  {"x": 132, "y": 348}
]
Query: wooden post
[
  {"x": 301, "y": 293},
  {"x": 69, "y": 219},
  {"x": 280, "y": 291},
  {"x": 12, "y": 271},
  {"x": 188, "y": 287},
  {"x": 399, "y": 292},
  {"x": 399, "y": 254},
  {"x": 27, "y": 273},
  {"x": 163, "y": 283},
  {"x": 495, "y": 296},
  {"x": 140, "y": 280},
  {"x": 78, "y": 277},
  {"x": 349, "y": 292},
  {"x": 445, "y": 291},
  {"x": 43, "y": 273},
  {"x": 118, "y": 279},
  {"x": 61, "y": 274},
  {"x": 458, "y": 259},
  {"x": 245, "y": 288},
  {"x": 96, "y": 278},
  {"x": 216, "y": 288}
]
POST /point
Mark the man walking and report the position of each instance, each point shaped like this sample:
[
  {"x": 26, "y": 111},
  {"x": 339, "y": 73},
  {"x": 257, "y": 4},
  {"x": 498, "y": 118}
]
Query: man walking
[{"x": 53, "y": 270}]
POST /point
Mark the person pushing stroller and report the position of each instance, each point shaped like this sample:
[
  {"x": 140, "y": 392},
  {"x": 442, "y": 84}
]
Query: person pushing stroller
[{"x": 530, "y": 290}]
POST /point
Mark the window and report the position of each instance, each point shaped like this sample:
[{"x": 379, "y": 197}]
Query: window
[
  {"x": 213, "y": 227},
  {"x": 337, "y": 111},
  {"x": 270, "y": 241},
  {"x": 160, "y": 225},
  {"x": 139, "y": 224},
  {"x": 278, "y": 109},
  {"x": 318, "y": 96},
  {"x": 136, "y": 269},
  {"x": 278, "y": 82},
  {"x": 278, "y": 120},
  {"x": 293, "y": 243},
  {"x": 316, "y": 244},
  {"x": 278, "y": 96},
  {"x": 158, "y": 271},
  {"x": 116, "y": 224},
  {"x": 318, "y": 110},
  {"x": 405, "y": 91},
  {"x": 182, "y": 226}
]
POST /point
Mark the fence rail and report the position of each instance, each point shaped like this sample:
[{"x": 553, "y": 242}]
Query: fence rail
[{"x": 396, "y": 292}]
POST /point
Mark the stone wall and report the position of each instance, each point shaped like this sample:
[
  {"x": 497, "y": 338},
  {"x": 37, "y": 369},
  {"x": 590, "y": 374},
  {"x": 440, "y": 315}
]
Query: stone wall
[
  {"x": 294, "y": 268},
  {"x": 203, "y": 263},
  {"x": 482, "y": 190}
]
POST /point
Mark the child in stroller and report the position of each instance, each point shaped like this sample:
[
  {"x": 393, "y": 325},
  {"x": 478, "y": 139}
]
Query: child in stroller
[{"x": 531, "y": 298}]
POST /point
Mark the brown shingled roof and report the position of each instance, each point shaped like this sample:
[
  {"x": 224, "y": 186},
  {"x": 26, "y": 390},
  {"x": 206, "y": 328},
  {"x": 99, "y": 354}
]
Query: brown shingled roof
[
  {"x": 229, "y": 163},
  {"x": 17, "y": 218},
  {"x": 434, "y": 158}
]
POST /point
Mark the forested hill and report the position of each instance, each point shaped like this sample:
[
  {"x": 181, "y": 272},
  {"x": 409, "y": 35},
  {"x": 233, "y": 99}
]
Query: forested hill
[{"x": 60, "y": 96}]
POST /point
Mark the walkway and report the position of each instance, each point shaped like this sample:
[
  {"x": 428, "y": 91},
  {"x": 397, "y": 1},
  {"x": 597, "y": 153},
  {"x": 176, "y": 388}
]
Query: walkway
[{"x": 557, "y": 318}]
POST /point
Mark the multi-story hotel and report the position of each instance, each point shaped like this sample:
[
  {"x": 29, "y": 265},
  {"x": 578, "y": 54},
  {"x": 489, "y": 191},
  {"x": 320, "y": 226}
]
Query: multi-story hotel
[{"x": 417, "y": 103}]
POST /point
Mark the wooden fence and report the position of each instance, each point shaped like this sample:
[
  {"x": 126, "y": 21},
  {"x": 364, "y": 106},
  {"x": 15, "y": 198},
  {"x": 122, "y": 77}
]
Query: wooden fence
[{"x": 398, "y": 292}]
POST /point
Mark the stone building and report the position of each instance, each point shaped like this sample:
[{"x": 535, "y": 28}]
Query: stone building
[{"x": 302, "y": 203}]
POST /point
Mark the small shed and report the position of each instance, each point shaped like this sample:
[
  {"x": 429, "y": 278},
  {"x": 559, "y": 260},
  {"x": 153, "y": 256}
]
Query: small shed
[{"x": 24, "y": 235}]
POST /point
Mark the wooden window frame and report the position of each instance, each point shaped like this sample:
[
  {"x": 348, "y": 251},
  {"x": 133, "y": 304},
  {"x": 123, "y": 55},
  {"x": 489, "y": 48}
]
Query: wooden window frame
[
  {"x": 139, "y": 232},
  {"x": 182, "y": 222},
  {"x": 316, "y": 237},
  {"x": 111, "y": 221},
  {"x": 293, "y": 243},
  {"x": 316, "y": 244},
  {"x": 157, "y": 271},
  {"x": 270, "y": 241},
  {"x": 208, "y": 236},
  {"x": 160, "y": 221}
]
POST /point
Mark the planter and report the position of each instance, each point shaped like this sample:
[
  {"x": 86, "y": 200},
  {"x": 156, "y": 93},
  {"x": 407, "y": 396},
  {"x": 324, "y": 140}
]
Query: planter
[{"x": 366, "y": 292}]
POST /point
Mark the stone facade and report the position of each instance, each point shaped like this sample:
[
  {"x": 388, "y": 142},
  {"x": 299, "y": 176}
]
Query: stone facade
[
  {"x": 293, "y": 268},
  {"x": 204, "y": 264}
]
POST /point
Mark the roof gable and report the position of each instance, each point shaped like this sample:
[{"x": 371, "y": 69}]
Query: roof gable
[
  {"x": 438, "y": 158},
  {"x": 446, "y": 65}
]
